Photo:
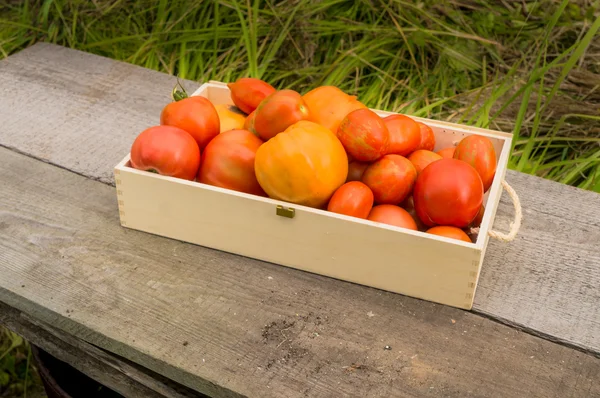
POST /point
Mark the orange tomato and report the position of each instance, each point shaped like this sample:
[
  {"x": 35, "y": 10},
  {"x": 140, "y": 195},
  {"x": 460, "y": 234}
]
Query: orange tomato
[
  {"x": 228, "y": 162},
  {"x": 479, "y": 152},
  {"x": 364, "y": 135},
  {"x": 230, "y": 117},
  {"x": 423, "y": 158},
  {"x": 448, "y": 192},
  {"x": 249, "y": 123},
  {"x": 450, "y": 232},
  {"x": 166, "y": 150},
  {"x": 356, "y": 170},
  {"x": 352, "y": 199},
  {"x": 248, "y": 92},
  {"x": 304, "y": 165},
  {"x": 427, "y": 137},
  {"x": 196, "y": 115},
  {"x": 405, "y": 135},
  {"x": 277, "y": 112},
  {"x": 392, "y": 215},
  {"x": 328, "y": 105},
  {"x": 391, "y": 179},
  {"x": 447, "y": 152}
]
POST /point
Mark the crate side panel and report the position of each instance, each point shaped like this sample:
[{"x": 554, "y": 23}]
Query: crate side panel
[{"x": 362, "y": 253}]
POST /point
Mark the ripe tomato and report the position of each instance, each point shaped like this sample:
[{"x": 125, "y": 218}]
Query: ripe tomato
[
  {"x": 277, "y": 112},
  {"x": 476, "y": 223},
  {"x": 427, "y": 137},
  {"x": 228, "y": 162},
  {"x": 450, "y": 232},
  {"x": 392, "y": 215},
  {"x": 352, "y": 199},
  {"x": 248, "y": 92},
  {"x": 448, "y": 192},
  {"x": 364, "y": 135},
  {"x": 166, "y": 150},
  {"x": 405, "y": 135},
  {"x": 409, "y": 205},
  {"x": 391, "y": 179},
  {"x": 447, "y": 152},
  {"x": 479, "y": 152},
  {"x": 230, "y": 117},
  {"x": 356, "y": 170},
  {"x": 196, "y": 115},
  {"x": 423, "y": 158}
]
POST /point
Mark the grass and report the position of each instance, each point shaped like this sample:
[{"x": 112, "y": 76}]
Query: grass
[
  {"x": 17, "y": 373},
  {"x": 528, "y": 67}
]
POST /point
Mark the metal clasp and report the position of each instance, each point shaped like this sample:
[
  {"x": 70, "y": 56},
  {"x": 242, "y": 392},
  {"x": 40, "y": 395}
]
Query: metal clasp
[{"x": 285, "y": 211}]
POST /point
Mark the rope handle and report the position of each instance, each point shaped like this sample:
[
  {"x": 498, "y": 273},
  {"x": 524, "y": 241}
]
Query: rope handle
[{"x": 515, "y": 225}]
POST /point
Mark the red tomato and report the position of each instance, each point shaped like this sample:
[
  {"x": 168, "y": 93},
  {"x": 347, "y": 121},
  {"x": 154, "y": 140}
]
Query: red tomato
[
  {"x": 228, "y": 162},
  {"x": 447, "y": 152},
  {"x": 392, "y": 215},
  {"x": 352, "y": 199},
  {"x": 196, "y": 115},
  {"x": 409, "y": 205},
  {"x": 479, "y": 152},
  {"x": 277, "y": 112},
  {"x": 166, "y": 150},
  {"x": 405, "y": 135},
  {"x": 248, "y": 92},
  {"x": 450, "y": 232},
  {"x": 364, "y": 135},
  {"x": 356, "y": 170},
  {"x": 448, "y": 192},
  {"x": 476, "y": 223},
  {"x": 391, "y": 179},
  {"x": 423, "y": 158},
  {"x": 427, "y": 137}
]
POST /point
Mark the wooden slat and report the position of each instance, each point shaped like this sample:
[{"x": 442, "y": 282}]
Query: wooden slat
[
  {"x": 116, "y": 373},
  {"x": 229, "y": 326},
  {"x": 81, "y": 112}
]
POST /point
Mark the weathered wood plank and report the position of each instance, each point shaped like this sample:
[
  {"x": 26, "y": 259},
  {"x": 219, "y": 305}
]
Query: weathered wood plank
[
  {"x": 55, "y": 101},
  {"x": 116, "y": 373},
  {"x": 231, "y": 326}
]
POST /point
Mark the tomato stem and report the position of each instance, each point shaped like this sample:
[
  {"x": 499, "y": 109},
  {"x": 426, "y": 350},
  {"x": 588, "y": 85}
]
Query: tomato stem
[{"x": 178, "y": 95}]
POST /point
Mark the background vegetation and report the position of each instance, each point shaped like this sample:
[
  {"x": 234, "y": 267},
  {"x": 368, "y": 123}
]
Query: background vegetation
[{"x": 527, "y": 67}]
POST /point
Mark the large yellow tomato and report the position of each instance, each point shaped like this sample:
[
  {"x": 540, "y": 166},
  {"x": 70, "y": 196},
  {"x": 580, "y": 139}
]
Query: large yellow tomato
[{"x": 304, "y": 164}]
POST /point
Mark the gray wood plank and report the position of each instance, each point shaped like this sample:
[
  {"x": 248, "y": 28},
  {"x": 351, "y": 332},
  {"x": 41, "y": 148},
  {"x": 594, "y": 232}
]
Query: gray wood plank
[
  {"x": 543, "y": 282},
  {"x": 226, "y": 325},
  {"x": 118, "y": 374}
]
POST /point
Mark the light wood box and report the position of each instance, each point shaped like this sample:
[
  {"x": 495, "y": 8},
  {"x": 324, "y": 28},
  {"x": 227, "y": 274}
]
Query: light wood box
[{"x": 412, "y": 263}]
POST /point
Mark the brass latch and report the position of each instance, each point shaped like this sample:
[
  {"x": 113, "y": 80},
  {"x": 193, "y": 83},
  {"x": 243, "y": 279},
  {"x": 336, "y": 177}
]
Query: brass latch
[{"x": 285, "y": 211}]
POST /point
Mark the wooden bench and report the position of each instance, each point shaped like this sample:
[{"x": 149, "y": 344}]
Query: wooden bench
[{"x": 154, "y": 317}]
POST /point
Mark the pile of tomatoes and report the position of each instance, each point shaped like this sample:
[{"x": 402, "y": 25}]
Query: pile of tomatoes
[{"x": 324, "y": 149}]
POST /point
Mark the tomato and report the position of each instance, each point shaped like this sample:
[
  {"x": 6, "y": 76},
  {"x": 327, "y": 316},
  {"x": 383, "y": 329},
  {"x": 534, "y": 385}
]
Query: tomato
[
  {"x": 405, "y": 135},
  {"x": 228, "y": 162},
  {"x": 230, "y": 117},
  {"x": 476, "y": 223},
  {"x": 248, "y": 92},
  {"x": 447, "y": 152},
  {"x": 450, "y": 232},
  {"x": 196, "y": 115},
  {"x": 391, "y": 179},
  {"x": 249, "y": 123},
  {"x": 479, "y": 152},
  {"x": 356, "y": 170},
  {"x": 423, "y": 158},
  {"x": 352, "y": 199},
  {"x": 448, "y": 192},
  {"x": 392, "y": 215},
  {"x": 166, "y": 150},
  {"x": 328, "y": 105},
  {"x": 427, "y": 137},
  {"x": 409, "y": 205},
  {"x": 364, "y": 135},
  {"x": 277, "y": 112}
]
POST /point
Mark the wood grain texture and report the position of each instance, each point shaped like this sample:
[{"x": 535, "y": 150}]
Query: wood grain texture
[
  {"x": 229, "y": 326},
  {"x": 118, "y": 374}
]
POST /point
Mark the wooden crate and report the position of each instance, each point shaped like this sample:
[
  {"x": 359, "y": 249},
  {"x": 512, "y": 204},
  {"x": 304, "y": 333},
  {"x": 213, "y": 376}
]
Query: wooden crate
[{"x": 395, "y": 259}]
